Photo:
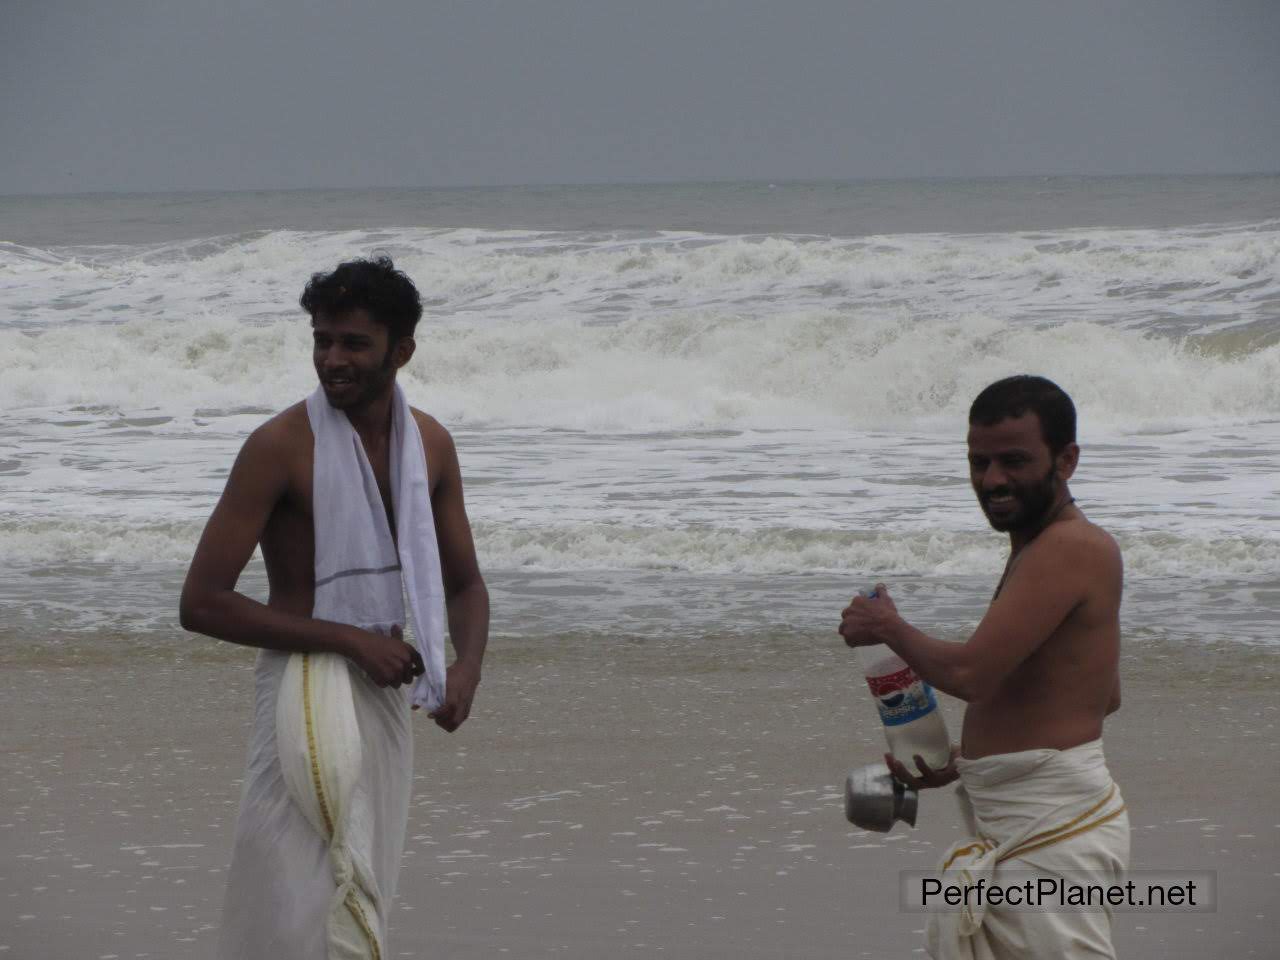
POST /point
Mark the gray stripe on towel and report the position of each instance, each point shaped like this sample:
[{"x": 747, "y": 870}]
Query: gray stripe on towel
[{"x": 358, "y": 572}]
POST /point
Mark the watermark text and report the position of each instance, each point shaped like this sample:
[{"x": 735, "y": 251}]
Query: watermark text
[{"x": 1189, "y": 891}]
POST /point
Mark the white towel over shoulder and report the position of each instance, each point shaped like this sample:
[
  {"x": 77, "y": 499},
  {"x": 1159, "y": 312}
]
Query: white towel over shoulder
[{"x": 359, "y": 567}]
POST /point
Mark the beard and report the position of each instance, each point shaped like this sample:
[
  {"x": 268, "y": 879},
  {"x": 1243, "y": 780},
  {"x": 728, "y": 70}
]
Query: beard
[
  {"x": 1031, "y": 504},
  {"x": 365, "y": 385}
]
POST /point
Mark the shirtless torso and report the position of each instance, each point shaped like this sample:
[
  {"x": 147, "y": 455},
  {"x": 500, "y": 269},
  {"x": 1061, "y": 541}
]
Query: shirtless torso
[
  {"x": 1058, "y": 696},
  {"x": 288, "y": 538}
]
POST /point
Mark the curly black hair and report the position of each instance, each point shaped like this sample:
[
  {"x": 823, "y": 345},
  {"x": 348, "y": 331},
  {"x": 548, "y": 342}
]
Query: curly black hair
[
  {"x": 374, "y": 285},
  {"x": 1014, "y": 396}
]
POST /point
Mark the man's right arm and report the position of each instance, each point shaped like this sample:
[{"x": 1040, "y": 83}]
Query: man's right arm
[
  {"x": 211, "y": 605},
  {"x": 1052, "y": 580}
]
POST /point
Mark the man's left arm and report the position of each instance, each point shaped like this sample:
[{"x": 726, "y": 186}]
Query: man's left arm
[
  {"x": 466, "y": 596},
  {"x": 1048, "y": 583}
]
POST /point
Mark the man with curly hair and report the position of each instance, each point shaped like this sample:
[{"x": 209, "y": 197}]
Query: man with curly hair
[{"x": 355, "y": 500}]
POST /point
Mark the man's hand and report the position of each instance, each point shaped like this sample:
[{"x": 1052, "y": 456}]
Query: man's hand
[
  {"x": 928, "y": 776},
  {"x": 388, "y": 660},
  {"x": 460, "y": 684},
  {"x": 865, "y": 621}
]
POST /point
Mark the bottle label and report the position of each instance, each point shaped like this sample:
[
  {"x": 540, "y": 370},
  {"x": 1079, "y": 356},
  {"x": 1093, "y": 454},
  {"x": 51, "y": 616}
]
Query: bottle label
[{"x": 902, "y": 697}]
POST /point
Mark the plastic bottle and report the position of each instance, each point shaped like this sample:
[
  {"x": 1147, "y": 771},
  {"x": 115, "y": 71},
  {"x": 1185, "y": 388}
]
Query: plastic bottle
[{"x": 913, "y": 724}]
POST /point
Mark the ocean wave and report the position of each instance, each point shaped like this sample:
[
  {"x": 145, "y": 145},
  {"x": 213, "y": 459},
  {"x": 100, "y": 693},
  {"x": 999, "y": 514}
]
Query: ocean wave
[
  {"x": 683, "y": 370},
  {"x": 941, "y": 553},
  {"x": 57, "y": 540},
  {"x": 1130, "y": 277},
  {"x": 620, "y": 331},
  {"x": 696, "y": 550}
]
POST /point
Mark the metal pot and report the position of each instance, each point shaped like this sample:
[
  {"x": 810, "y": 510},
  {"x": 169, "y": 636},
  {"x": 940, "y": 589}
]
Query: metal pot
[{"x": 873, "y": 799}]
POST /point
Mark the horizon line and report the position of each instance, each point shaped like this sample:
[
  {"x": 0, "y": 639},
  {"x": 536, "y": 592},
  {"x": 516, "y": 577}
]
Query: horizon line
[{"x": 596, "y": 184}]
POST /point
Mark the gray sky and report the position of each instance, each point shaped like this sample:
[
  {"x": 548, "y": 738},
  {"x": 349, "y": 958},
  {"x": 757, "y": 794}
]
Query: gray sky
[{"x": 175, "y": 94}]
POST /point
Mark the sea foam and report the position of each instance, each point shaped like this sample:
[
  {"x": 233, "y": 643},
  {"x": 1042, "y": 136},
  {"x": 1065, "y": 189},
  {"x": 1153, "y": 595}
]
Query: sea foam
[
  {"x": 681, "y": 370},
  {"x": 601, "y": 547},
  {"x": 618, "y": 331}
]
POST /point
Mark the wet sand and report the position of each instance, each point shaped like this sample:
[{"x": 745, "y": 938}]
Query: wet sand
[{"x": 609, "y": 797}]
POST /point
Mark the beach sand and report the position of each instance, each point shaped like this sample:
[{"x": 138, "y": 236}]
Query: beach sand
[{"x": 610, "y": 796}]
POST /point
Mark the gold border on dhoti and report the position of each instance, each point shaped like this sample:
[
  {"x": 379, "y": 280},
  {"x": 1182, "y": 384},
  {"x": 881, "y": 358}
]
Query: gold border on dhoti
[
  {"x": 1066, "y": 830},
  {"x": 313, "y": 755},
  {"x": 1045, "y": 838},
  {"x": 1028, "y": 847}
]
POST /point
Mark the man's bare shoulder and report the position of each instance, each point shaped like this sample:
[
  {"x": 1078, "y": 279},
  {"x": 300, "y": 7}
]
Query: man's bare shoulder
[
  {"x": 287, "y": 433},
  {"x": 434, "y": 435},
  {"x": 1080, "y": 541},
  {"x": 287, "y": 424}
]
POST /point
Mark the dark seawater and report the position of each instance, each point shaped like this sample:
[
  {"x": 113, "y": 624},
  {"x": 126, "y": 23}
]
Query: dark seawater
[{"x": 838, "y": 209}]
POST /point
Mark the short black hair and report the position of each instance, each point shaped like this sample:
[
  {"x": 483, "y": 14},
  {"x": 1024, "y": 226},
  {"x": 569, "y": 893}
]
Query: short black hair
[
  {"x": 1015, "y": 396},
  {"x": 374, "y": 285}
]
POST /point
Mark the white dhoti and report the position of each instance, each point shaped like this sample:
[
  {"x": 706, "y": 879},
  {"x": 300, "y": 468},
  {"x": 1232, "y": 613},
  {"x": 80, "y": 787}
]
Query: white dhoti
[
  {"x": 1047, "y": 813},
  {"x": 281, "y": 885},
  {"x": 326, "y": 796}
]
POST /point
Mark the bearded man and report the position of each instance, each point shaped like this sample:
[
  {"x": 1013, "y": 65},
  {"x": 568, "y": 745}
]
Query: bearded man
[{"x": 1039, "y": 675}]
